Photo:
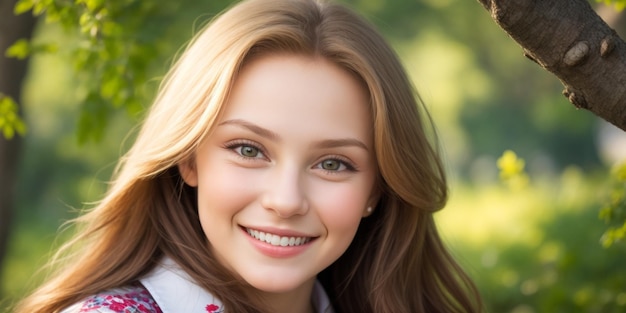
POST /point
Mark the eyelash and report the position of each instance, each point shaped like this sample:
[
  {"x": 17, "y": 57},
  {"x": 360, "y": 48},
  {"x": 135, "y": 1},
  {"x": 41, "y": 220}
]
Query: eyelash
[
  {"x": 241, "y": 143},
  {"x": 245, "y": 143},
  {"x": 350, "y": 167}
]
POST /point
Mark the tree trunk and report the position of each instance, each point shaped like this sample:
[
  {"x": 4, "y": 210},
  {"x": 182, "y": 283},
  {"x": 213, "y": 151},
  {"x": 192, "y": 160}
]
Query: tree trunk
[
  {"x": 568, "y": 38},
  {"x": 12, "y": 73}
]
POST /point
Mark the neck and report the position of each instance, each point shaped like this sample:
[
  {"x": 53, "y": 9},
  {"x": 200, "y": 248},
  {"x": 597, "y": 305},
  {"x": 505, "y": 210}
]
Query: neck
[{"x": 296, "y": 301}]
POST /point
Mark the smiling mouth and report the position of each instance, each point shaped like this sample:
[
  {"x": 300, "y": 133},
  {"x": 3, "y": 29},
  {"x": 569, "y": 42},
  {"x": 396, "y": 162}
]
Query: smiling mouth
[{"x": 279, "y": 241}]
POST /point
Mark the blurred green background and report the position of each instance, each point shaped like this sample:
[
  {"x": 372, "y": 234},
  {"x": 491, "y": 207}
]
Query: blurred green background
[{"x": 532, "y": 243}]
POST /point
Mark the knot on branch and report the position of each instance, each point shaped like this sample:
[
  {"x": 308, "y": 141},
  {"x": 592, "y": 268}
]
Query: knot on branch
[
  {"x": 576, "y": 99},
  {"x": 607, "y": 45},
  {"x": 576, "y": 54}
]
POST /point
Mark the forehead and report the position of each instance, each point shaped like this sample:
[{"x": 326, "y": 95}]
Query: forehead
[{"x": 290, "y": 92}]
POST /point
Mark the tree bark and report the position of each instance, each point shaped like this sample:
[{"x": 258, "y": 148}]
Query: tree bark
[
  {"x": 12, "y": 73},
  {"x": 568, "y": 38}
]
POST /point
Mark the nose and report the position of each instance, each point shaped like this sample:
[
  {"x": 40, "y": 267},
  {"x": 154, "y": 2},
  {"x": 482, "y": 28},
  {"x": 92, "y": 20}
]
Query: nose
[{"x": 285, "y": 192}]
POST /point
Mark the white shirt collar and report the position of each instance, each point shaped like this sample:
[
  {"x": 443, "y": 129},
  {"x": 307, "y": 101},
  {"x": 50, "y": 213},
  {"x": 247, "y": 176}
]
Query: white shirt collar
[{"x": 175, "y": 291}]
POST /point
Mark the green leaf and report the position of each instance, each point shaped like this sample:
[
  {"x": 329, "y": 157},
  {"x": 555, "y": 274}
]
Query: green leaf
[
  {"x": 22, "y": 6},
  {"x": 619, "y": 5},
  {"x": 93, "y": 5},
  {"x": 19, "y": 50},
  {"x": 111, "y": 86},
  {"x": 53, "y": 14},
  {"x": 10, "y": 121},
  {"x": 39, "y": 7},
  {"x": 8, "y": 132},
  {"x": 606, "y": 214},
  {"x": 111, "y": 28}
]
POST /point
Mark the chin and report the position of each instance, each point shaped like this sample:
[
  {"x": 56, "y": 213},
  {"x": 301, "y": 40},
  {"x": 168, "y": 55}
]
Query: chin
[
  {"x": 277, "y": 283},
  {"x": 275, "y": 286}
]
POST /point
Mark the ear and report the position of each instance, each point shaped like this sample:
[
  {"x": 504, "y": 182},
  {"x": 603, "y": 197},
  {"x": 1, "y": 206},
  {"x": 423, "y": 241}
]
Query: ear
[
  {"x": 188, "y": 172},
  {"x": 372, "y": 203}
]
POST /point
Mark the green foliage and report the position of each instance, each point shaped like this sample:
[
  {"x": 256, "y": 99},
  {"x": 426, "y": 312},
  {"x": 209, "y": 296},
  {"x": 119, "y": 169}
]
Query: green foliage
[
  {"x": 618, "y": 4},
  {"x": 536, "y": 249},
  {"x": 565, "y": 271},
  {"x": 22, "y": 49},
  {"x": 19, "y": 50},
  {"x": 614, "y": 212},
  {"x": 10, "y": 121},
  {"x": 117, "y": 41}
]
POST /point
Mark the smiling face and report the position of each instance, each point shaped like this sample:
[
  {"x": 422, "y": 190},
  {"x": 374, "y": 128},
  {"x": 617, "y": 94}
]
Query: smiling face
[{"x": 288, "y": 172}]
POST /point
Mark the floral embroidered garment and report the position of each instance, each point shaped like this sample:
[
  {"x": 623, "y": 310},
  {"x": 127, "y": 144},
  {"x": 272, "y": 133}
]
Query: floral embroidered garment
[
  {"x": 169, "y": 289},
  {"x": 175, "y": 291},
  {"x": 130, "y": 299}
]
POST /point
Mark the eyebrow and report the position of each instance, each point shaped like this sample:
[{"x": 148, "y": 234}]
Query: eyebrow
[
  {"x": 323, "y": 144},
  {"x": 336, "y": 143},
  {"x": 263, "y": 132}
]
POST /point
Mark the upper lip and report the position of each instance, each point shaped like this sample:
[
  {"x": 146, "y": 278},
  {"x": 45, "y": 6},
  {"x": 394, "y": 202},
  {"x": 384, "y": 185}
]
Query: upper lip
[{"x": 279, "y": 231}]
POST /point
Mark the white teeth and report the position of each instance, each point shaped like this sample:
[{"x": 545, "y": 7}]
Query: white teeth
[{"x": 276, "y": 240}]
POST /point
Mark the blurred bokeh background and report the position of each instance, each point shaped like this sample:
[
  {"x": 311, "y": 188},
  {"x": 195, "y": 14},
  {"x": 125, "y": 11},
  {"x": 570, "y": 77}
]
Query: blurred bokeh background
[{"x": 532, "y": 242}]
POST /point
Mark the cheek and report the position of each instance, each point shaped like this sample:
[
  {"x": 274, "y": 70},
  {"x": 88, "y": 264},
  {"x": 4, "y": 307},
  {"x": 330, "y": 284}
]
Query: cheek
[
  {"x": 341, "y": 208},
  {"x": 222, "y": 192}
]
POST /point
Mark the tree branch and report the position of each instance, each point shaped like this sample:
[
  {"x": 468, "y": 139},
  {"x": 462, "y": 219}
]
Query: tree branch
[
  {"x": 568, "y": 38},
  {"x": 12, "y": 73}
]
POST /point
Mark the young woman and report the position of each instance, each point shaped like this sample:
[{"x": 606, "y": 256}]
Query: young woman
[{"x": 284, "y": 167}]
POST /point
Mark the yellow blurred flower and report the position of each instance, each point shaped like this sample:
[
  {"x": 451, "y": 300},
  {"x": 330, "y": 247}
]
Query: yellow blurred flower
[
  {"x": 510, "y": 165},
  {"x": 512, "y": 170}
]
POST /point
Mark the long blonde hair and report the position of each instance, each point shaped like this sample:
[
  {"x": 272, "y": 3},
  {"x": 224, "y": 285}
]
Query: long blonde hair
[{"x": 396, "y": 263}]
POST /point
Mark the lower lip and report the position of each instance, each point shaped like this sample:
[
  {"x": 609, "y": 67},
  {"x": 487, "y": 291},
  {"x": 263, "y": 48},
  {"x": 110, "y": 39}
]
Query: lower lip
[{"x": 277, "y": 251}]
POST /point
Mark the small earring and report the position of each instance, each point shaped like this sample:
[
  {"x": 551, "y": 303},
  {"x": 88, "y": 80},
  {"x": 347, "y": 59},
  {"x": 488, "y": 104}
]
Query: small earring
[{"x": 368, "y": 211}]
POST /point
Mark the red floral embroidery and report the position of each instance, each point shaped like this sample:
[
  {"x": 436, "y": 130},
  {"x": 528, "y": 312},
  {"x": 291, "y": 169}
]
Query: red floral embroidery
[
  {"x": 212, "y": 308},
  {"x": 134, "y": 298}
]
